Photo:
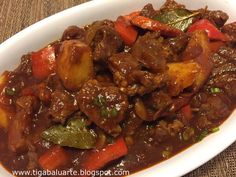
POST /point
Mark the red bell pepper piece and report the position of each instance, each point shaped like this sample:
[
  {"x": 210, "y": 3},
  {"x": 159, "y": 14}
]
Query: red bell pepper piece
[
  {"x": 132, "y": 15},
  {"x": 153, "y": 25},
  {"x": 126, "y": 30},
  {"x": 212, "y": 31},
  {"x": 99, "y": 158},
  {"x": 187, "y": 112},
  {"x": 54, "y": 158},
  {"x": 216, "y": 45},
  {"x": 43, "y": 62}
]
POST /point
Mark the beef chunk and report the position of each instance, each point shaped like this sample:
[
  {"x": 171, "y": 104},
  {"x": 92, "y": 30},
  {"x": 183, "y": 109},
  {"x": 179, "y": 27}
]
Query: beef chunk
[
  {"x": 122, "y": 65},
  {"x": 224, "y": 72},
  {"x": 152, "y": 106},
  {"x": 127, "y": 74},
  {"x": 73, "y": 32},
  {"x": 230, "y": 31},
  {"x": 132, "y": 122},
  {"x": 171, "y": 4},
  {"x": 152, "y": 52},
  {"x": 19, "y": 127},
  {"x": 178, "y": 45},
  {"x": 157, "y": 103},
  {"x": 104, "y": 105},
  {"x": 216, "y": 107},
  {"x": 62, "y": 105},
  {"x": 148, "y": 11},
  {"x": 103, "y": 39},
  {"x": 164, "y": 130},
  {"x": 217, "y": 17},
  {"x": 25, "y": 66}
]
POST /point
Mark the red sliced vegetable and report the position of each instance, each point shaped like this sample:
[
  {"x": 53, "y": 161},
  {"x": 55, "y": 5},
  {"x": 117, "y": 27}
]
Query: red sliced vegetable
[
  {"x": 212, "y": 31},
  {"x": 54, "y": 158},
  {"x": 43, "y": 62},
  {"x": 126, "y": 30},
  {"x": 132, "y": 15},
  {"x": 99, "y": 158},
  {"x": 153, "y": 25},
  {"x": 215, "y": 46},
  {"x": 187, "y": 112}
]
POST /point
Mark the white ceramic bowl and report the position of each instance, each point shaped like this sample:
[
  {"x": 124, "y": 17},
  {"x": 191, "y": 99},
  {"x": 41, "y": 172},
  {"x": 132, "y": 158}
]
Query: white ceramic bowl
[{"x": 49, "y": 29}]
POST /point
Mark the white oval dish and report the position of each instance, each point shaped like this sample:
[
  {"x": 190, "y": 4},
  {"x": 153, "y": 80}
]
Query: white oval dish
[{"x": 51, "y": 28}]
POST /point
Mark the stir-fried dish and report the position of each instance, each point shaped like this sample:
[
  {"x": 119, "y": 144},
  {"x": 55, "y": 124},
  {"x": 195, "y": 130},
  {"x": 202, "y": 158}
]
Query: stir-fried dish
[{"x": 120, "y": 95}]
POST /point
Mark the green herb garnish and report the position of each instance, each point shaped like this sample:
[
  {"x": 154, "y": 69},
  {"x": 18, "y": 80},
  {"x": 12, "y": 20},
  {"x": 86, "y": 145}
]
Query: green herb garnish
[
  {"x": 178, "y": 18},
  {"x": 113, "y": 112},
  {"x": 215, "y": 129},
  {"x": 166, "y": 154},
  {"x": 202, "y": 135},
  {"x": 10, "y": 91},
  {"x": 104, "y": 112},
  {"x": 215, "y": 90},
  {"x": 99, "y": 101},
  {"x": 74, "y": 134}
]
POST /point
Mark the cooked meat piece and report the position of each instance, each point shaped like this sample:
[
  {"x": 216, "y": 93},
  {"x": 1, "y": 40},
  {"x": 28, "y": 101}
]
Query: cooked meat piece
[
  {"x": 216, "y": 107},
  {"x": 104, "y": 105},
  {"x": 103, "y": 39},
  {"x": 27, "y": 103},
  {"x": 224, "y": 72},
  {"x": 178, "y": 45},
  {"x": 148, "y": 11},
  {"x": 63, "y": 104},
  {"x": 20, "y": 125},
  {"x": 152, "y": 106},
  {"x": 164, "y": 130},
  {"x": 224, "y": 55},
  {"x": 25, "y": 66},
  {"x": 157, "y": 103},
  {"x": 53, "y": 82},
  {"x": 202, "y": 122},
  {"x": 73, "y": 32},
  {"x": 33, "y": 157},
  {"x": 171, "y": 4},
  {"x": 127, "y": 74},
  {"x": 132, "y": 122},
  {"x": 152, "y": 52},
  {"x": 144, "y": 82},
  {"x": 228, "y": 67},
  {"x": 230, "y": 31},
  {"x": 121, "y": 65},
  {"x": 217, "y": 17}
]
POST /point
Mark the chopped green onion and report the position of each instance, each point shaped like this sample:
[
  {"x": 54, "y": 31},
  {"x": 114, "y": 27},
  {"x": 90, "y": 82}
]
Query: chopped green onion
[
  {"x": 99, "y": 101},
  {"x": 166, "y": 154},
  {"x": 102, "y": 100},
  {"x": 104, "y": 112},
  {"x": 215, "y": 90},
  {"x": 10, "y": 91},
  {"x": 216, "y": 129},
  {"x": 202, "y": 135},
  {"x": 113, "y": 112}
]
